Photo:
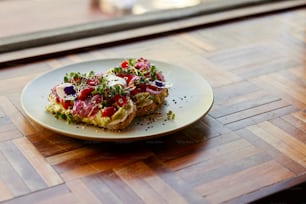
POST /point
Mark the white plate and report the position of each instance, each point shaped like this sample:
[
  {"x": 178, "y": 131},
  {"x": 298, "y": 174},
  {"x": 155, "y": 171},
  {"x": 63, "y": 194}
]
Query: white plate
[{"x": 190, "y": 98}]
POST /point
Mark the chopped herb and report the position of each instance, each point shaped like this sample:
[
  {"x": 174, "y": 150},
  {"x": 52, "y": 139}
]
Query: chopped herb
[{"x": 170, "y": 115}]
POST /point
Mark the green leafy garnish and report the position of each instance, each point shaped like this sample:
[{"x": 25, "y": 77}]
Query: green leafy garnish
[{"x": 170, "y": 115}]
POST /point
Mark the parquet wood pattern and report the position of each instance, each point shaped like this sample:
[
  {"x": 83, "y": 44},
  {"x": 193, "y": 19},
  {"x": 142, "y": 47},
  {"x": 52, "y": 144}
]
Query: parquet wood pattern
[{"x": 250, "y": 145}]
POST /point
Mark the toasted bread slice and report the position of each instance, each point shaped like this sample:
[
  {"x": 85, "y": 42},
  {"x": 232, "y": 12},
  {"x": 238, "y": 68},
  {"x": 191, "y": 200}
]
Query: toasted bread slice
[
  {"x": 93, "y": 99},
  {"x": 124, "y": 123},
  {"x": 126, "y": 115},
  {"x": 148, "y": 103},
  {"x": 147, "y": 84}
]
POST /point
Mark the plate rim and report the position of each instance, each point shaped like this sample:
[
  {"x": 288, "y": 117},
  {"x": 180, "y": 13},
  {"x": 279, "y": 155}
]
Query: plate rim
[{"x": 101, "y": 138}]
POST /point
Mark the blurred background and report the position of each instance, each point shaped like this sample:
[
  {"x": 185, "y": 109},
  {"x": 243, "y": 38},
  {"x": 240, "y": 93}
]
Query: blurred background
[{"x": 25, "y": 16}]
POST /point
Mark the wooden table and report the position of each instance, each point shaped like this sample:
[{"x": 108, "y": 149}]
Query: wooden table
[{"x": 250, "y": 145}]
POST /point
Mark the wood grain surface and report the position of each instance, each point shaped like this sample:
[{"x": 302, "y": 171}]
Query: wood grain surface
[{"x": 250, "y": 145}]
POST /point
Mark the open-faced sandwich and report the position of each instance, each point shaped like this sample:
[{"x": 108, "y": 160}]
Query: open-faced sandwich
[
  {"x": 147, "y": 85},
  {"x": 101, "y": 100},
  {"x": 109, "y": 100}
]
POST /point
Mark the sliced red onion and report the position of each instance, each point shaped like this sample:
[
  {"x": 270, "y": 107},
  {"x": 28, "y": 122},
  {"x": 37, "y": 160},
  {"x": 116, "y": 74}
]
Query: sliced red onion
[
  {"x": 160, "y": 76},
  {"x": 154, "y": 92},
  {"x": 135, "y": 78}
]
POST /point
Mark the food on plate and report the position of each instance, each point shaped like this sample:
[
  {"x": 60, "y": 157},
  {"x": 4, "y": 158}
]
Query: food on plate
[
  {"x": 97, "y": 99},
  {"x": 109, "y": 100},
  {"x": 147, "y": 85}
]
